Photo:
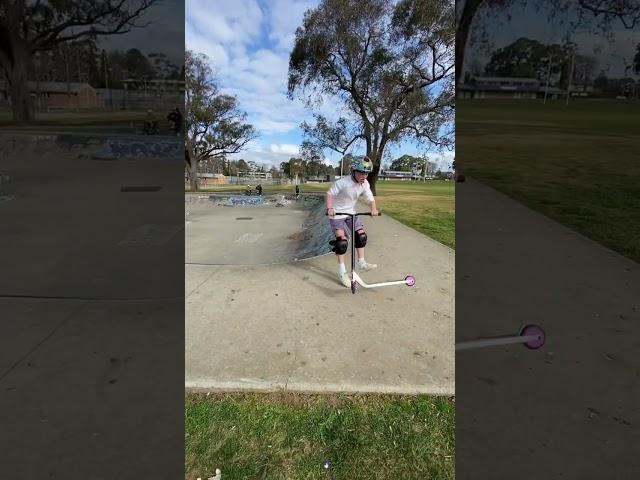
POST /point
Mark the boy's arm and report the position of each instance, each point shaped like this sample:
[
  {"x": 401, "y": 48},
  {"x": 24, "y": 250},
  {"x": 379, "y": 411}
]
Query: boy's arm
[
  {"x": 370, "y": 200},
  {"x": 329, "y": 204},
  {"x": 334, "y": 190},
  {"x": 372, "y": 208}
]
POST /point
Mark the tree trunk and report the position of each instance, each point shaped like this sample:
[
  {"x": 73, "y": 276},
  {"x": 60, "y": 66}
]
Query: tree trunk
[
  {"x": 462, "y": 33},
  {"x": 372, "y": 178},
  {"x": 20, "y": 94},
  {"x": 372, "y": 182},
  {"x": 193, "y": 176},
  {"x": 191, "y": 163}
]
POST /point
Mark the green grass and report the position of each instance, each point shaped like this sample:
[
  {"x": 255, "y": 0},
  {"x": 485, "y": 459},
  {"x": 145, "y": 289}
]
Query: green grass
[
  {"x": 428, "y": 207},
  {"x": 290, "y": 436},
  {"x": 577, "y": 164}
]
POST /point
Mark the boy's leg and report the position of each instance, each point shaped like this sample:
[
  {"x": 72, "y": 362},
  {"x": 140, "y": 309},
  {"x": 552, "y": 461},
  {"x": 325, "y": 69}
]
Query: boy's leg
[
  {"x": 340, "y": 247},
  {"x": 362, "y": 263},
  {"x": 340, "y": 233},
  {"x": 342, "y": 269},
  {"x": 360, "y": 239}
]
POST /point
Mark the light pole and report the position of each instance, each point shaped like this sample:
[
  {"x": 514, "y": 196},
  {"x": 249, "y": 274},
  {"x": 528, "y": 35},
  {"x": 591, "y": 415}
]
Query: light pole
[
  {"x": 106, "y": 74},
  {"x": 125, "y": 85},
  {"x": 38, "y": 66},
  {"x": 573, "y": 56},
  {"x": 546, "y": 89},
  {"x": 631, "y": 80},
  {"x": 66, "y": 65},
  {"x": 424, "y": 170}
]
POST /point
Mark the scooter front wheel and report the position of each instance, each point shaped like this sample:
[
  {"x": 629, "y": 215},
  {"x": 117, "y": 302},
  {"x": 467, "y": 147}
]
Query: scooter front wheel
[
  {"x": 354, "y": 286},
  {"x": 531, "y": 330}
]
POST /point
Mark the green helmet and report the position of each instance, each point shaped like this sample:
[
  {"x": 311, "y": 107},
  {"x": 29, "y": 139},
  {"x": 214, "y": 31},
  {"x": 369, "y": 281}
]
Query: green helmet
[{"x": 363, "y": 165}]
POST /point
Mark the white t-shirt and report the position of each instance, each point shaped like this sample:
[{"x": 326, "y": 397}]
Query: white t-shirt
[{"x": 345, "y": 193}]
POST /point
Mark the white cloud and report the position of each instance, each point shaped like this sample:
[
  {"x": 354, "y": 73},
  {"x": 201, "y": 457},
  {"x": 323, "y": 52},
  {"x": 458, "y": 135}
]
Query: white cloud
[
  {"x": 216, "y": 52},
  {"x": 270, "y": 126},
  {"x": 282, "y": 15},
  {"x": 270, "y": 155},
  {"x": 249, "y": 45},
  {"x": 269, "y": 112},
  {"x": 611, "y": 54},
  {"x": 285, "y": 148},
  {"x": 236, "y": 35},
  {"x": 165, "y": 34},
  {"x": 528, "y": 21},
  {"x": 225, "y": 22},
  {"x": 269, "y": 64}
]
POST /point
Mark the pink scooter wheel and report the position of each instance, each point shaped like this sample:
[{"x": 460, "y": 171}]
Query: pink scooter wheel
[
  {"x": 410, "y": 281},
  {"x": 528, "y": 330}
]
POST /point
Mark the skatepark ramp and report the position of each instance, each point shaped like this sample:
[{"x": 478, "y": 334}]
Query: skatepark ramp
[{"x": 254, "y": 230}]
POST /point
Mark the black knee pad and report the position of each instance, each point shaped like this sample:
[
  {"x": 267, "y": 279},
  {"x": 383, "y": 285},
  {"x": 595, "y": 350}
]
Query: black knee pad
[
  {"x": 361, "y": 239},
  {"x": 339, "y": 245}
]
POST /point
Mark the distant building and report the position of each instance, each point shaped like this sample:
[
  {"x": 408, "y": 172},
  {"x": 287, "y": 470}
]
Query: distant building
[
  {"x": 57, "y": 95},
  {"x": 319, "y": 178},
  {"x": 255, "y": 175},
  {"x": 209, "y": 179},
  {"x": 506, "y": 87},
  {"x": 384, "y": 174},
  {"x": 153, "y": 85}
]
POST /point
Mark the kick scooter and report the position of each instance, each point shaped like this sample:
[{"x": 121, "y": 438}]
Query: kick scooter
[
  {"x": 531, "y": 336},
  {"x": 355, "y": 278}
]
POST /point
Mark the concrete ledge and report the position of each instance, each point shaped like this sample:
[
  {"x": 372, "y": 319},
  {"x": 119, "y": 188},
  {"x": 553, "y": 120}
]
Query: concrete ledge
[{"x": 257, "y": 385}]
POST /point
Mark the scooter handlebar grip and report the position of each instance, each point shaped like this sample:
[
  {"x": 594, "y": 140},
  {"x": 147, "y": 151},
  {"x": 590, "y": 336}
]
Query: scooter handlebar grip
[{"x": 354, "y": 214}]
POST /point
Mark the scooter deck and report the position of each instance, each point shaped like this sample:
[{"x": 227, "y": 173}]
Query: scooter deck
[{"x": 409, "y": 280}]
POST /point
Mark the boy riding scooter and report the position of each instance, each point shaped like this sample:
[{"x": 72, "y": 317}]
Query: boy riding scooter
[{"x": 342, "y": 197}]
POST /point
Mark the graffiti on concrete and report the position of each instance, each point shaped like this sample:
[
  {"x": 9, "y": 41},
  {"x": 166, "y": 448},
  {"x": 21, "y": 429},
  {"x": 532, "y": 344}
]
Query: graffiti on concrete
[
  {"x": 244, "y": 201},
  {"x": 88, "y": 145},
  {"x": 136, "y": 149}
]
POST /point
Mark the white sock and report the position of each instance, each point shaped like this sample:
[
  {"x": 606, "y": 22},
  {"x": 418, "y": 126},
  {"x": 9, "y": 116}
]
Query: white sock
[
  {"x": 341, "y": 268},
  {"x": 361, "y": 261}
]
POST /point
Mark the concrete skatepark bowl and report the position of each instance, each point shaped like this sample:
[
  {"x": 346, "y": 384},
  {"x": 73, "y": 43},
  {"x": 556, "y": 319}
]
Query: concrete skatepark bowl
[
  {"x": 254, "y": 230},
  {"x": 265, "y": 310}
]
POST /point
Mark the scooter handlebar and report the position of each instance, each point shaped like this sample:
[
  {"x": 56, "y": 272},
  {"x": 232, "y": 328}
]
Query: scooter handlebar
[{"x": 355, "y": 214}]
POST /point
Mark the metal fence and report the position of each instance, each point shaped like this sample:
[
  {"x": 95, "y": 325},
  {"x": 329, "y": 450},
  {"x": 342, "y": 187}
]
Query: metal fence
[
  {"x": 242, "y": 180},
  {"x": 111, "y": 99}
]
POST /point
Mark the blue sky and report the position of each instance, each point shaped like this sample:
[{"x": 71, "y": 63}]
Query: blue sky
[
  {"x": 165, "y": 34},
  {"x": 537, "y": 25},
  {"x": 248, "y": 43}
]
